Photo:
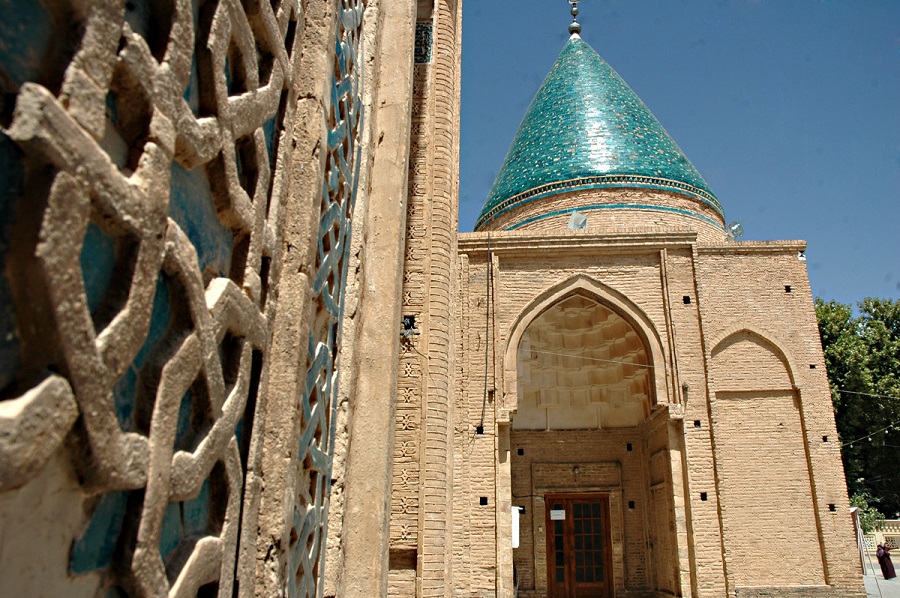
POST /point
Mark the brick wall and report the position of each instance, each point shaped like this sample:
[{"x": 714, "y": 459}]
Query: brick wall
[
  {"x": 768, "y": 514},
  {"x": 763, "y": 288},
  {"x": 707, "y": 310},
  {"x": 476, "y": 455}
]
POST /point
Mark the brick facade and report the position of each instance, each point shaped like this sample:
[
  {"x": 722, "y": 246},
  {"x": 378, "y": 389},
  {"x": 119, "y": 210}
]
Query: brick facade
[
  {"x": 728, "y": 486},
  {"x": 253, "y": 355}
]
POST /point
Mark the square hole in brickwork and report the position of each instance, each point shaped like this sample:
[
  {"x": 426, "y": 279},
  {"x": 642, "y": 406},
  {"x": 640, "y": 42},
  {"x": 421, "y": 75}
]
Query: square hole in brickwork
[
  {"x": 696, "y": 423},
  {"x": 520, "y": 451},
  {"x": 832, "y": 507},
  {"x": 402, "y": 558},
  {"x": 812, "y": 366},
  {"x": 479, "y": 430},
  {"x": 629, "y": 447},
  {"x": 482, "y": 500},
  {"x": 631, "y": 505},
  {"x": 703, "y": 496},
  {"x": 787, "y": 288},
  {"x": 686, "y": 299},
  {"x": 824, "y": 438}
]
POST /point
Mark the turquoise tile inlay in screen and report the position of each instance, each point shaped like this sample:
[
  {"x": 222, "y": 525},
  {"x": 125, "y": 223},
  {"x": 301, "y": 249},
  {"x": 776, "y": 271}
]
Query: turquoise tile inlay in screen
[{"x": 586, "y": 129}]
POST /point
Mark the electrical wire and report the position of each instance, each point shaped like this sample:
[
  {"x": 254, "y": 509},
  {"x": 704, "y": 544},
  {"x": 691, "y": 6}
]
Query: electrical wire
[
  {"x": 640, "y": 365},
  {"x": 487, "y": 334},
  {"x": 871, "y": 434},
  {"x": 866, "y": 394}
]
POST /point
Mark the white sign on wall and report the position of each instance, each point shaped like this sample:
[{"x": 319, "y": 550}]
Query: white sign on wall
[
  {"x": 557, "y": 515},
  {"x": 515, "y": 526}
]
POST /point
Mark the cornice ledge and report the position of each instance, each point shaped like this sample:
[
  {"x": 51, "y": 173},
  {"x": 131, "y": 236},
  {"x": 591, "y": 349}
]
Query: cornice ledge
[
  {"x": 746, "y": 247},
  {"x": 521, "y": 241}
]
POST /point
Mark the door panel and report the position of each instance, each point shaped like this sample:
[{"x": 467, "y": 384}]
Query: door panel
[{"x": 579, "y": 555}]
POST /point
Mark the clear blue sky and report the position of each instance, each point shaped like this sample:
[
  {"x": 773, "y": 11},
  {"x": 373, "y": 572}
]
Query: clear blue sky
[{"x": 790, "y": 109}]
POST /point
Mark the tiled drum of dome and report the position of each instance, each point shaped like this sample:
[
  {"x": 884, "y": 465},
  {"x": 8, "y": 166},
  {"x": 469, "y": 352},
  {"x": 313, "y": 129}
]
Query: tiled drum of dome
[{"x": 587, "y": 129}]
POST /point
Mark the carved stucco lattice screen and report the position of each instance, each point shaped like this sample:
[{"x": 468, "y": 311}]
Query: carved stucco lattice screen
[
  {"x": 143, "y": 176},
  {"x": 306, "y": 556}
]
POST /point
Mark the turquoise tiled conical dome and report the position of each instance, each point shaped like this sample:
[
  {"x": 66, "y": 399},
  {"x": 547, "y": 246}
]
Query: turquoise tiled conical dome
[{"x": 586, "y": 129}]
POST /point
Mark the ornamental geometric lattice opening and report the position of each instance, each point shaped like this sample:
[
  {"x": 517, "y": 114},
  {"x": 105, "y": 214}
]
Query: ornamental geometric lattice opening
[
  {"x": 344, "y": 116},
  {"x": 143, "y": 168}
]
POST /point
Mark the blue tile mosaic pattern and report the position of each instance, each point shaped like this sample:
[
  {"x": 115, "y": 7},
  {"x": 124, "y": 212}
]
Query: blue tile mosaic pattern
[
  {"x": 423, "y": 42},
  {"x": 586, "y": 129},
  {"x": 613, "y": 206}
]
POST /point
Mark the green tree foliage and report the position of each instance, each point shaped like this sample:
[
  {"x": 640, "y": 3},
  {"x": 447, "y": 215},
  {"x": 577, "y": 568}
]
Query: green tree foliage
[
  {"x": 862, "y": 354},
  {"x": 868, "y": 515}
]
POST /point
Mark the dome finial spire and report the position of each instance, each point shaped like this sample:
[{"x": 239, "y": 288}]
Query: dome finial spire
[{"x": 575, "y": 27}]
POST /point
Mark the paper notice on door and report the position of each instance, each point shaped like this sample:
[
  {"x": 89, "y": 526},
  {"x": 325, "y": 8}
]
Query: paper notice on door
[{"x": 557, "y": 515}]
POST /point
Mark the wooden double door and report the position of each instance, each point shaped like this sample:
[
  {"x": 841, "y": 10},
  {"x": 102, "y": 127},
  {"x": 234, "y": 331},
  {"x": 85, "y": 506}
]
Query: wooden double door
[{"x": 579, "y": 551}]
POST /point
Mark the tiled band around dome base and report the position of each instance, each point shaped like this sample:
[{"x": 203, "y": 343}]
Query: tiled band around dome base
[
  {"x": 614, "y": 208},
  {"x": 611, "y": 181}
]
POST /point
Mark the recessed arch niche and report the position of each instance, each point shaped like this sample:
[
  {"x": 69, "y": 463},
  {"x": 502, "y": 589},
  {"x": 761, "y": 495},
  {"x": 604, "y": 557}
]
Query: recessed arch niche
[{"x": 581, "y": 365}]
